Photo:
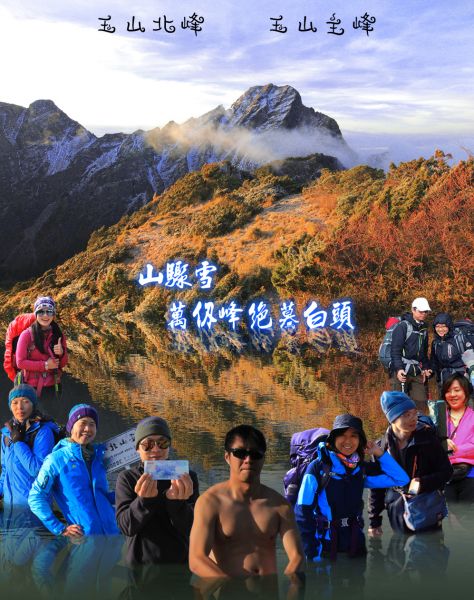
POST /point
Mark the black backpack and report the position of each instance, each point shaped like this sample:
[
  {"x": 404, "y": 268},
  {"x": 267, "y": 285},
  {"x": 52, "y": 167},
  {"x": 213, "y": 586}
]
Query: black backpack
[
  {"x": 464, "y": 335},
  {"x": 59, "y": 432}
]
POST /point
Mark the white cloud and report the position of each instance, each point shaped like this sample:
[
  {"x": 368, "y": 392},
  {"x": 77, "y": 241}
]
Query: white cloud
[{"x": 414, "y": 73}]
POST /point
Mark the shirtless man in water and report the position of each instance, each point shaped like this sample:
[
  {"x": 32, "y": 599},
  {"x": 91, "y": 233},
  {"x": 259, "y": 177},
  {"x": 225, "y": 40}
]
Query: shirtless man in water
[{"x": 236, "y": 522}]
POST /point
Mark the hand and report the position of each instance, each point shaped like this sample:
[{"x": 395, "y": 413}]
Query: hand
[
  {"x": 73, "y": 531},
  {"x": 373, "y": 450},
  {"x": 58, "y": 349},
  {"x": 414, "y": 487},
  {"x": 146, "y": 487},
  {"x": 451, "y": 445},
  {"x": 52, "y": 363},
  {"x": 401, "y": 376},
  {"x": 375, "y": 532},
  {"x": 180, "y": 489},
  {"x": 17, "y": 432},
  {"x": 426, "y": 374}
]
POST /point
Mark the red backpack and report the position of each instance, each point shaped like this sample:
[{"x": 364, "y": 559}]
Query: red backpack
[{"x": 14, "y": 329}]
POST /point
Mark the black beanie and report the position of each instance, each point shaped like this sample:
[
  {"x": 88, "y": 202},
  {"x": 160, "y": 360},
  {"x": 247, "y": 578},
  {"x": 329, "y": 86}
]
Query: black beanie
[{"x": 151, "y": 426}]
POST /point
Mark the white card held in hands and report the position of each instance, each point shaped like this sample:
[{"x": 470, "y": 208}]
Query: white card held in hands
[{"x": 166, "y": 469}]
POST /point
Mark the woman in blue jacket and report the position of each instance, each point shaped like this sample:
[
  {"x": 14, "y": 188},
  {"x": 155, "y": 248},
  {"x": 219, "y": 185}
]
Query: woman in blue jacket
[
  {"x": 74, "y": 473},
  {"x": 329, "y": 506},
  {"x": 27, "y": 439}
]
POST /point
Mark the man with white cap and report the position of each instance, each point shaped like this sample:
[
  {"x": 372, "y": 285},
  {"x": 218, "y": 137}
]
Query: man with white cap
[{"x": 409, "y": 368}]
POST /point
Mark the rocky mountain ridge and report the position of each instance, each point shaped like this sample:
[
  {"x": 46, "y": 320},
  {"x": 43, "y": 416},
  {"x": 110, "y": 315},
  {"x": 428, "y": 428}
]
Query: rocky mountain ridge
[{"x": 59, "y": 182}]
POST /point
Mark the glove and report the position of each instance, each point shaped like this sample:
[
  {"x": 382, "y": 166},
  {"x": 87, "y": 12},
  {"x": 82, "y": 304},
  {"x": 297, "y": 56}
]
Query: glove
[{"x": 17, "y": 432}]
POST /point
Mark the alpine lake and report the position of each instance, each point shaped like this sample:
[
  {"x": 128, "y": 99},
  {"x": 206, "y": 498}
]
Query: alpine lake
[{"x": 204, "y": 387}]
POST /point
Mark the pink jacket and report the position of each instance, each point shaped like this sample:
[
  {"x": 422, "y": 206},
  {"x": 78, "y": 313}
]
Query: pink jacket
[
  {"x": 31, "y": 360},
  {"x": 463, "y": 438}
]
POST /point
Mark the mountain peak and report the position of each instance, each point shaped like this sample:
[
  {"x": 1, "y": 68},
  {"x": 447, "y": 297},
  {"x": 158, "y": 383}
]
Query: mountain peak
[
  {"x": 265, "y": 107},
  {"x": 40, "y": 107}
]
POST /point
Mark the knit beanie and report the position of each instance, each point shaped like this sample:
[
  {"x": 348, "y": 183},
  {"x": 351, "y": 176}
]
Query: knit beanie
[
  {"x": 23, "y": 391},
  {"x": 394, "y": 404},
  {"x": 151, "y": 426},
  {"x": 44, "y": 303},
  {"x": 79, "y": 411}
]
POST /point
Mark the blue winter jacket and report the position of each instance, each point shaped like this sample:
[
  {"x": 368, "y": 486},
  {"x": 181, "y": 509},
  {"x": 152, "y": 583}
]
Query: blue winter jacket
[
  {"x": 340, "y": 501},
  {"x": 22, "y": 461},
  {"x": 82, "y": 497}
]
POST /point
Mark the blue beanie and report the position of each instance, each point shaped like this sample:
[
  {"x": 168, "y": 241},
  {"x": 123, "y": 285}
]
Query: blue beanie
[
  {"x": 23, "y": 391},
  {"x": 79, "y": 411},
  {"x": 394, "y": 404}
]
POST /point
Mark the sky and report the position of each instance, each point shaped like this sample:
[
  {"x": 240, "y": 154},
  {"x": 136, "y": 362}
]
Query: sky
[{"x": 408, "y": 84}]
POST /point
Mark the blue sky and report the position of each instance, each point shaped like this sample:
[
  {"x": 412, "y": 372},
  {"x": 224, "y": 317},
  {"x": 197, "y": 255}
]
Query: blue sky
[{"x": 410, "y": 80}]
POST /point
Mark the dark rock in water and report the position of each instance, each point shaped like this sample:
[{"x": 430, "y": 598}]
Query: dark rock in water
[{"x": 59, "y": 182}]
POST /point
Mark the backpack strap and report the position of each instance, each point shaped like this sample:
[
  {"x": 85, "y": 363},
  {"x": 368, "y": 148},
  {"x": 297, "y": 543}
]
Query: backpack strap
[
  {"x": 409, "y": 330},
  {"x": 409, "y": 362},
  {"x": 41, "y": 376},
  {"x": 325, "y": 479}
]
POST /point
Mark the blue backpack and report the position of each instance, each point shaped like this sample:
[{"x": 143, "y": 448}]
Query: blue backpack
[{"x": 303, "y": 450}]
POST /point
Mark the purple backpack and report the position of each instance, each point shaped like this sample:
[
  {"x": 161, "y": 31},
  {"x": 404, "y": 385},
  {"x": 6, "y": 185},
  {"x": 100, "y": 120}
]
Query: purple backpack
[{"x": 303, "y": 450}]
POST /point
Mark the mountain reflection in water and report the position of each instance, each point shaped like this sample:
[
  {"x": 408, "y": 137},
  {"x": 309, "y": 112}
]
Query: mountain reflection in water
[{"x": 203, "y": 395}]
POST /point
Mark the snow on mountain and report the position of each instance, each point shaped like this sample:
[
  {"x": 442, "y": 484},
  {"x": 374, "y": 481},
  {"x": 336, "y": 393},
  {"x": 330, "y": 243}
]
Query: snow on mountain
[{"x": 83, "y": 182}]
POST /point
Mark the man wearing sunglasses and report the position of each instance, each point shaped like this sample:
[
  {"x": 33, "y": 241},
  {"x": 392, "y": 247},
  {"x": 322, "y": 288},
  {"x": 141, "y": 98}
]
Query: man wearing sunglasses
[
  {"x": 155, "y": 516},
  {"x": 236, "y": 522}
]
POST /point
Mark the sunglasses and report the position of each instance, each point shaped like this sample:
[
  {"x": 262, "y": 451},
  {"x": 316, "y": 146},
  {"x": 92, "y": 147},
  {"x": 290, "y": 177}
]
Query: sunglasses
[
  {"x": 48, "y": 313},
  {"x": 148, "y": 445},
  {"x": 242, "y": 453}
]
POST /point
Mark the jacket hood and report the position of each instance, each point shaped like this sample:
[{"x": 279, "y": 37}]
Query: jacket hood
[
  {"x": 418, "y": 325},
  {"x": 330, "y": 457},
  {"x": 33, "y": 427},
  {"x": 423, "y": 434},
  {"x": 443, "y": 319}
]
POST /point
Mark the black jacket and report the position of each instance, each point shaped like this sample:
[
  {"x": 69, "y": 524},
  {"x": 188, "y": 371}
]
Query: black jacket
[
  {"x": 445, "y": 353},
  {"x": 414, "y": 348},
  {"x": 432, "y": 467},
  {"x": 157, "y": 529}
]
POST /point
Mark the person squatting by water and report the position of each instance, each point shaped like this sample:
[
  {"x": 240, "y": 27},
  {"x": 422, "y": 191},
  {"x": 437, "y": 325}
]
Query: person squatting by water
[
  {"x": 416, "y": 447},
  {"x": 27, "y": 439},
  {"x": 74, "y": 475},
  {"x": 236, "y": 522},
  {"x": 155, "y": 516},
  {"x": 460, "y": 420},
  {"x": 41, "y": 353},
  {"x": 329, "y": 506},
  {"x": 410, "y": 366}
]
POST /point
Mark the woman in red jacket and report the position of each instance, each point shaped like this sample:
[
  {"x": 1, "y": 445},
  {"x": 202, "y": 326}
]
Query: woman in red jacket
[{"x": 41, "y": 352}]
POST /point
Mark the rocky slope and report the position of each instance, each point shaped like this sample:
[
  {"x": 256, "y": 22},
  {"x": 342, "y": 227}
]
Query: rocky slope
[
  {"x": 339, "y": 237},
  {"x": 59, "y": 182}
]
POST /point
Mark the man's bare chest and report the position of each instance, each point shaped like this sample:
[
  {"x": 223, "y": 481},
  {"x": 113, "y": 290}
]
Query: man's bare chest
[{"x": 257, "y": 521}]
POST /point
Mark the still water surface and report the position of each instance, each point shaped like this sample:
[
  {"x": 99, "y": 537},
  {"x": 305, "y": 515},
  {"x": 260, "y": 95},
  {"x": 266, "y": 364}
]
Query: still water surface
[{"x": 202, "y": 397}]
